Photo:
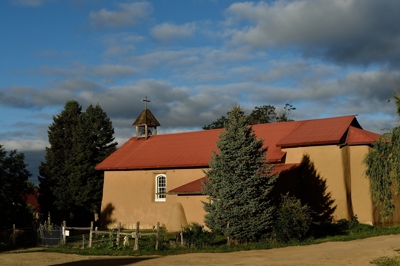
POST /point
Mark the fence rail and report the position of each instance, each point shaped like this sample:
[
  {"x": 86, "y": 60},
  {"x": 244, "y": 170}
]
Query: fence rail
[{"x": 135, "y": 234}]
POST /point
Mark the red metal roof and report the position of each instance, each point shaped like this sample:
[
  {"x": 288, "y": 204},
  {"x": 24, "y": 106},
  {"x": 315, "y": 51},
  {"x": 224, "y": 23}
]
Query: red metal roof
[
  {"x": 196, "y": 186},
  {"x": 359, "y": 136},
  {"x": 318, "y": 132},
  {"x": 194, "y": 149}
]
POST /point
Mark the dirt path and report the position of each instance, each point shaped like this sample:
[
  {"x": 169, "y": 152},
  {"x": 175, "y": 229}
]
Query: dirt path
[{"x": 358, "y": 252}]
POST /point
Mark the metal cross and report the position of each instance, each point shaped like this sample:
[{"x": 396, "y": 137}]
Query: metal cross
[{"x": 145, "y": 102}]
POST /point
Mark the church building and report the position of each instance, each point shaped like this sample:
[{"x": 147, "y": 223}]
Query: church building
[{"x": 158, "y": 178}]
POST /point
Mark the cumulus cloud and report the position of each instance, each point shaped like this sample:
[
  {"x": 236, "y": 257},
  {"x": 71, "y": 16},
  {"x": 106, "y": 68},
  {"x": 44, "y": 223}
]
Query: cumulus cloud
[
  {"x": 124, "y": 15},
  {"x": 168, "y": 31},
  {"x": 349, "y": 32},
  {"x": 78, "y": 84},
  {"x": 17, "y": 96}
]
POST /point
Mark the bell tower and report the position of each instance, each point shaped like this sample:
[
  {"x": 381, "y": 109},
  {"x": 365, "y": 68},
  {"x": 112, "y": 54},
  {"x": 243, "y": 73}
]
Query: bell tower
[{"x": 146, "y": 124}]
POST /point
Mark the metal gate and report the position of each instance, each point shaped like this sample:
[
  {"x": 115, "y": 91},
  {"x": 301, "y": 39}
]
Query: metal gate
[{"x": 49, "y": 238}]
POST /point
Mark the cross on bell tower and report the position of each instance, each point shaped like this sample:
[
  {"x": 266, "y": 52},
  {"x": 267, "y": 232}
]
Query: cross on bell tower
[
  {"x": 145, "y": 102},
  {"x": 146, "y": 124}
]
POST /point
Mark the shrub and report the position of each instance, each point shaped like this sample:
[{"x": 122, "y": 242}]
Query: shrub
[
  {"x": 292, "y": 221},
  {"x": 195, "y": 235}
]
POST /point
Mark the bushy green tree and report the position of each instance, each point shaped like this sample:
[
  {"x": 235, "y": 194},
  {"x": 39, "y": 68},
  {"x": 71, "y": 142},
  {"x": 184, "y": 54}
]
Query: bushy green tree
[
  {"x": 78, "y": 142},
  {"x": 260, "y": 115},
  {"x": 14, "y": 188},
  {"x": 239, "y": 183},
  {"x": 383, "y": 168},
  {"x": 292, "y": 220}
]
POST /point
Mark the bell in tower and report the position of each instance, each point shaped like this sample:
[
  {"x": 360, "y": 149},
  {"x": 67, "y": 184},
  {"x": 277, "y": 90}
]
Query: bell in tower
[{"x": 146, "y": 124}]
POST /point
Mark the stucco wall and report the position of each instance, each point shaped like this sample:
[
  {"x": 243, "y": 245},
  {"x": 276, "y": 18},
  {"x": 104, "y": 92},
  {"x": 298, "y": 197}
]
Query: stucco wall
[
  {"x": 328, "y": 163},
  {"x": 360, "y": 194},
  {"x": 343, "y": 170},
  {"x": 129, "y": 196}
]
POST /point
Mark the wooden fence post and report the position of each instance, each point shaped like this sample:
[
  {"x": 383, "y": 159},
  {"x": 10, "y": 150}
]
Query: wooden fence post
[
  {"x": 90, "y": 235},
  {"x": 13, "y": 235},
  {"x": 182, "y": 236},
  {"x": 64, "y": 229},
  {"x": 158, "y": 235},
  {"x": 118, "y": 233},
  {"x": 136, "y": 247},
  {"x": 227, "y": 238}
]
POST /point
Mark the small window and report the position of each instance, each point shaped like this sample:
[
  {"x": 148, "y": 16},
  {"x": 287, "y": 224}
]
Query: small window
[{"x": 161, "y": 187}]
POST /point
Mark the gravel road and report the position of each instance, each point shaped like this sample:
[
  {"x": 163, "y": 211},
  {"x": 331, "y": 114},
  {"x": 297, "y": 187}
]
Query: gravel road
[{"x": 358, "y": 252}]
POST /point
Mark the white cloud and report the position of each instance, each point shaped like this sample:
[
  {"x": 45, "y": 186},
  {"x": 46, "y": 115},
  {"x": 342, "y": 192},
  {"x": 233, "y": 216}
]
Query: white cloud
[
  {"x": 125, "y": 15},
  {"x": 168, "y": 31},
  {"x": 24, "y": 144},
  {"x": 345, "y": 31},
  {"x": 78, "y": 84}
]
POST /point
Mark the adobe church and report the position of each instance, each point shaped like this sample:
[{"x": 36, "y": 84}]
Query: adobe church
[{"x": 158, "y": 178}]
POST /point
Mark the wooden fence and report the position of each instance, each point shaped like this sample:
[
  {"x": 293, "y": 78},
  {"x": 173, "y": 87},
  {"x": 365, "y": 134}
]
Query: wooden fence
[
  {"x": 136, "y": 234},
  {"x": 15, "y": 235}
]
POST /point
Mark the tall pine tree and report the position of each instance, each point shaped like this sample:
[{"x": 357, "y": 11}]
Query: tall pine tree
[
  {"x": 54, "y": 184},
  {"x": 69, "y": 185},
  {"x": 239, "y": 183},
  {"x": 93, "y": 138}
]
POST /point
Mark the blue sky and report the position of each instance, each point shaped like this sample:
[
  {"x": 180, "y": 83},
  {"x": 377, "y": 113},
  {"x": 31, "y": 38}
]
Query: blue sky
[{"x": 194, "y": 60}]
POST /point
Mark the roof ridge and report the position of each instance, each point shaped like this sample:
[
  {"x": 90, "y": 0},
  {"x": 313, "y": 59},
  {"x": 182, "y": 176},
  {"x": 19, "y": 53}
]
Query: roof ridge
[{"x": 256, "y": 125}]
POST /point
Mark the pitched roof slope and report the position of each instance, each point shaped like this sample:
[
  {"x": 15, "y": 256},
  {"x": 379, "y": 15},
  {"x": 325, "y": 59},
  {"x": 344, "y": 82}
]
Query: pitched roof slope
[
  {"x": 319, "y": 132},
  {"x": 189, "y": 149},
  {"x": 358, "y": 136},
  {"x": 194, "y": 149}
]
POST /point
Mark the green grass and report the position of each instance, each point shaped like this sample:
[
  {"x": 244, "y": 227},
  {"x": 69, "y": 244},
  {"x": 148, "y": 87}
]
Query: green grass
[
  {"x": 103, "y": 245},
  {"x": 384, "y": 261},
  {"x": 147, "y": 243}
]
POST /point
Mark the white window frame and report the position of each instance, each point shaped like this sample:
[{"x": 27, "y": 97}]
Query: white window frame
[{"x": 161, "y": 188}]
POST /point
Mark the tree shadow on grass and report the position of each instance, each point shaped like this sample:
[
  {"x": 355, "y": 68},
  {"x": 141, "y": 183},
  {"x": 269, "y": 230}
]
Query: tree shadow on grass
[{"x": 107, "y": 262}]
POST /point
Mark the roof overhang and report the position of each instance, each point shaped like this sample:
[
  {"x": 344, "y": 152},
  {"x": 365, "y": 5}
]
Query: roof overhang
[{"x": 195, "y": 187}]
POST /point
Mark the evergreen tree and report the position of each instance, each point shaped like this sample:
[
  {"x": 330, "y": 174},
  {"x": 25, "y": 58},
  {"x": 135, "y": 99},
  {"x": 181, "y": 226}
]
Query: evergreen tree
[
  {"x": 239, "y": 183},
  {"x": 54, "y": 192},
  {"x": 69, "y": 184},
  {"x": 93, "y": 139},
  {"x": 383, "y": 168},
  {"x": 14, "y": 187}
]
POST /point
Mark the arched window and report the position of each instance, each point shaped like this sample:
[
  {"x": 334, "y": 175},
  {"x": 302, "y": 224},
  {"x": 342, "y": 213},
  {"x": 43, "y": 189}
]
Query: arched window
[{"x": 161, "y": 187}]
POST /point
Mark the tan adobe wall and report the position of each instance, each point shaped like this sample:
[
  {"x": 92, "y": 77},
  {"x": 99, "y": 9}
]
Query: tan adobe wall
[
  {"x": 129, "y": 196},
  {"x": 360, "y": 185},
  {"x": 329, "y": 165},
  {"x": 344, "y": 172}
]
